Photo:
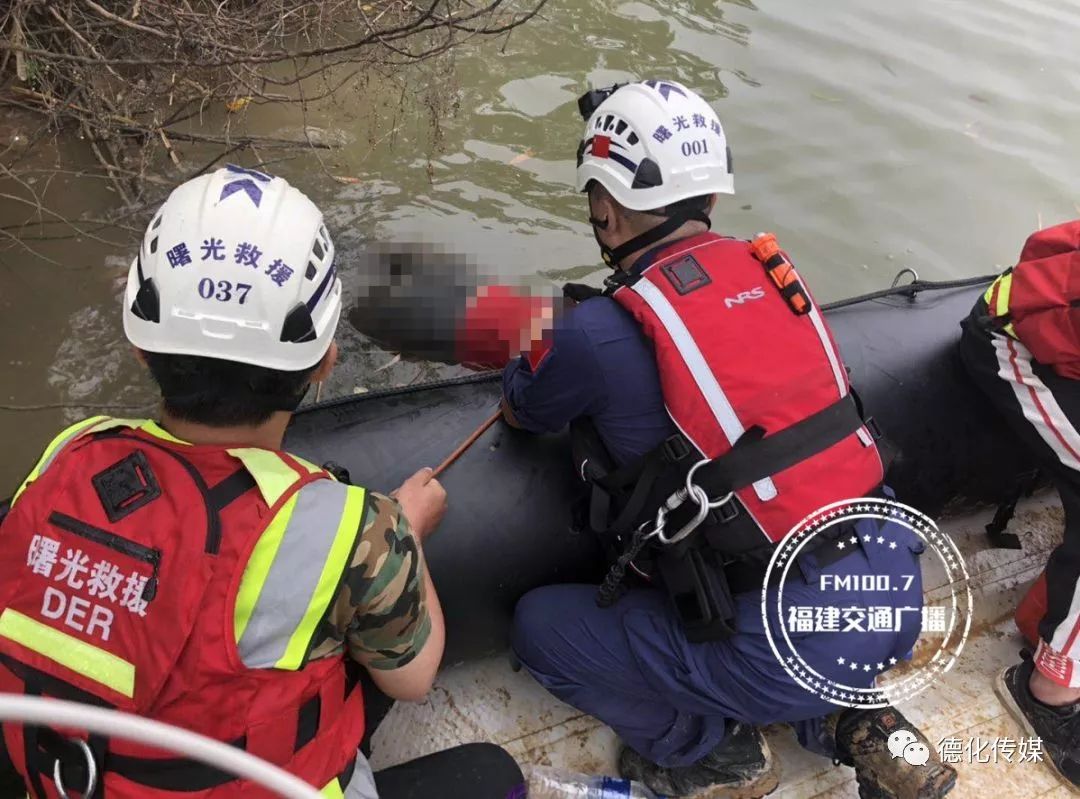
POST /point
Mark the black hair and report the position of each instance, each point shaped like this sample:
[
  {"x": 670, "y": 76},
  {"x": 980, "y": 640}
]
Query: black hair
[{"x": 222, "y": 393}]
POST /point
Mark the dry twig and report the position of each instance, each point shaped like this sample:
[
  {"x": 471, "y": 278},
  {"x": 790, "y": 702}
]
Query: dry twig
[{"x": 136, "y": 79}]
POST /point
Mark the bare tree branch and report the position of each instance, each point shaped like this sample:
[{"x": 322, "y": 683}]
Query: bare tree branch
[{"x": 136, "y": 79}]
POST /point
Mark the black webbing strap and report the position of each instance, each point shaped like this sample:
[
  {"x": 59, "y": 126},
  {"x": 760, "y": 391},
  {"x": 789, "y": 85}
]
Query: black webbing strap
[
  {"x": 31, "y": 752},
  {"x": 307, "y": 724},
  {"x": 186, "y": 776},
  {"x": 223, "y": 494},
  {"x": 43, "y": 746},
  {"x": 754, "y": 458},
  {"x": 649, "y": 471},
  {"x": 579, "y": 292},
  {"x": 171, "y": 774}
]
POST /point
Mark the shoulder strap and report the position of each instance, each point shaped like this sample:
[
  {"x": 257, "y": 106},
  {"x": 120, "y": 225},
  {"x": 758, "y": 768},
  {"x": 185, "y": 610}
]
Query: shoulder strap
[
  {"x": 61, "y": 441},
  {"x": 230, "y": 489},
  {"x": 756, "y": 456},
  {"x": 579, "y": 292}
]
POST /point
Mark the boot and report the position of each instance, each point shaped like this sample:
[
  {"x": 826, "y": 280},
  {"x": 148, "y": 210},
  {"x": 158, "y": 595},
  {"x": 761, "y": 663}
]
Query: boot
[
  {"x": 1058, "y": 727},
  {"x": 741, "y": 767},
  {"x": 861, "y": 740}
]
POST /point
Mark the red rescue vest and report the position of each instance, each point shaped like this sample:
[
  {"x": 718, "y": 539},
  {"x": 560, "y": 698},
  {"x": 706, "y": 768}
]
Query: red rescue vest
[
  {"x": 738, "y": 348},
  {"x": 119, "y": 570},
  {"x": 1038, "y": 300}
]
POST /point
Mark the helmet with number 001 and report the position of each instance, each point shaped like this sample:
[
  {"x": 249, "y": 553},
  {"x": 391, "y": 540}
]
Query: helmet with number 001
[
  {"x": 653, "y": 143},
  {"x": 235, "y": 265}
]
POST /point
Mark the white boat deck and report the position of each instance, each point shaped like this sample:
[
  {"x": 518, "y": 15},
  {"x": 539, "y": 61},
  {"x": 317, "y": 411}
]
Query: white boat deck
[{"x": 487, "y": 701}]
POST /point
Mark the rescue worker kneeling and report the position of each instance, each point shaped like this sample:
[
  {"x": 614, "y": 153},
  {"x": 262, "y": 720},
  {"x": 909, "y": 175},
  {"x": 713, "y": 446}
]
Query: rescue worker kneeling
[
  {"x": 705, "y": 352},
  {"x": 189, "y": 570}
]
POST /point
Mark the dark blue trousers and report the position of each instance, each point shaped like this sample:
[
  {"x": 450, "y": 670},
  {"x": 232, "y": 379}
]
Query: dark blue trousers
[{"x": 631, "y": 666}]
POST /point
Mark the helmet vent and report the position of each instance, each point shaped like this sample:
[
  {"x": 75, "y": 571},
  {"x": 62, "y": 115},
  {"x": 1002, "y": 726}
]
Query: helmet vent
[
  {"x": 147, "y": 305},
  {"x": 153, "y": 245},
  {"x": 156, "y": 223},
  {"x": 317, "y": 248},
  {"x": 298, "y": 326},
  {"x": 311, "y": 272},
  {"x": 648, "y": 175},
  {"x": 608, "y": 122},
  {"x": 632, "y": 139},
  {"x": 620, "y": 127}
]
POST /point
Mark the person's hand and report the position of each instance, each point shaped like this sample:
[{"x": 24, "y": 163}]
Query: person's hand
[{"x": 423, "y": 500}]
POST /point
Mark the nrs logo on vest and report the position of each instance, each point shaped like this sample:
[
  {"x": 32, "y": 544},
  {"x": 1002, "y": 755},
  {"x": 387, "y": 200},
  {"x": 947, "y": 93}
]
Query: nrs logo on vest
[{"x": 756, "y": 293}]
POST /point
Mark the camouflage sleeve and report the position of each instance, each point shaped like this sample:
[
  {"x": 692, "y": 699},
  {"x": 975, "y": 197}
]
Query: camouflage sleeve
[{"x": 381, "y": 611}]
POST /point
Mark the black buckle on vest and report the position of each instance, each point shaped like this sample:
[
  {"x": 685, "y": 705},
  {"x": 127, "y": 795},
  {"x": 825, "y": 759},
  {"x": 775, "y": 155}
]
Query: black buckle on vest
[
  {"x": 874, "y": 428},
  {"x": 676, "y": 448},
  {"x": 728, "y": 512}
]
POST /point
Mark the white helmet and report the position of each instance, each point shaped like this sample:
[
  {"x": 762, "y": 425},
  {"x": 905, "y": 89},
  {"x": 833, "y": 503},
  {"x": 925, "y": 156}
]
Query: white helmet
[
  {"x": 652, "y": 144},
  {"x": 235, "y": 265}
]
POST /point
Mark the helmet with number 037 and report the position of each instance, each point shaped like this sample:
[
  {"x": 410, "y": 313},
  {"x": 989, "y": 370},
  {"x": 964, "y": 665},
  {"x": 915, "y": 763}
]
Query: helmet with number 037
[
  {"x": 235, "y": 265},
  {"x": 651, "y": 144}
]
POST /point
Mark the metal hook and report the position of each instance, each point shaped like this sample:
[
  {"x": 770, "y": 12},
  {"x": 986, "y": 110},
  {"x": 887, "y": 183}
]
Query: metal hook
[
  {"x": 693, "y": 488},
  {"x": 907, "y": 270},
  {"x": 702, "y": 499},
  {"x": 91, "y": 771}
]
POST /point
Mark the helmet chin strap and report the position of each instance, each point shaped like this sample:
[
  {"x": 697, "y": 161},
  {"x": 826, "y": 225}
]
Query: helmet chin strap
[{"x": 613, "y": 256}]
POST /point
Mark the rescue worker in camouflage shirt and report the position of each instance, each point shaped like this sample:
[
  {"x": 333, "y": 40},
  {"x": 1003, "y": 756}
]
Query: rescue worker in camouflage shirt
[
  {"x": 380, "y": 615},
  {"x": 262, "y": 606}
]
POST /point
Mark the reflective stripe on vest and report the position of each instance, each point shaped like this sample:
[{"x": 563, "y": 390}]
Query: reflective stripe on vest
[
  {"x": 94, "y": 424},
  {"x": 333, "y": 790},
  {"x": 273, "y": 475},
  {"x": 67, "y": 650},
  {"x": 997, "y": 300},
  {"x": 699, "y": 368},
  {"x": 294, "y": 572}
]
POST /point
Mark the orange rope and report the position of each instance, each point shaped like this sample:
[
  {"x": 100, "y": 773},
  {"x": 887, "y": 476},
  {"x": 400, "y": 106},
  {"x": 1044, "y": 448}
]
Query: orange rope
[{"x": 468, "y": 442}]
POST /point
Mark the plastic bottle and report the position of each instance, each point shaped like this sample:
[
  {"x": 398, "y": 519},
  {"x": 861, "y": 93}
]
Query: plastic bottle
[{"x": 552, "y": 783}]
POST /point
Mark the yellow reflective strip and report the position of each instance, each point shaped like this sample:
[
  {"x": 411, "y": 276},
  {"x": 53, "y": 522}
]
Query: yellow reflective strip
[
  {"x": 258, "y": 567},
  {"x": 69, "y": 434},
  {"x": 157, "y": 431},
  {"x": 1010, "y": 330},
  {"x": 333, "y": 568},
  {"x": 989, "y": 292},
  {"x": 109, "y": 424},
  {"x": 96, "y": 664},
  {"x": 333, "y": 790},
  {"x": 273, "y": 476},
  {"x": 1005, "y": 287},
  {"x": 311, "y": 467}
]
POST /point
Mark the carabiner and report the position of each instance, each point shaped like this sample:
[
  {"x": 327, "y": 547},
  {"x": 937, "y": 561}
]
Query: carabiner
[
  {"x": 91, "y": 771},
  {"x": 702, "y": 500},
  {"x": 658, "y": 524},
  {"x": 693, "y": 489}
]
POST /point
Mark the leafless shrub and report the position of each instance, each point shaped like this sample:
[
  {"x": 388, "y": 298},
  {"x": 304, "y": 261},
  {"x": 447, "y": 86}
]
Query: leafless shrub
[{"x": 135, "y": 78}]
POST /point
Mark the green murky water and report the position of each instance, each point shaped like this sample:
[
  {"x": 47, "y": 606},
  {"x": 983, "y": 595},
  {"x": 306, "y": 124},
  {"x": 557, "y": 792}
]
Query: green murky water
[{"x": 869, "y": 135}]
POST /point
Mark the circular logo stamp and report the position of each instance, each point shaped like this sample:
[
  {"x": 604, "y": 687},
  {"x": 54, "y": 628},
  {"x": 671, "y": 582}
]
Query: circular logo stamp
[{"x": 834, "y": 628}]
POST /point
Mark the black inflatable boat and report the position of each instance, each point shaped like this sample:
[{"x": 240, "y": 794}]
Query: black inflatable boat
[{"x": 508, "y": 526}]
